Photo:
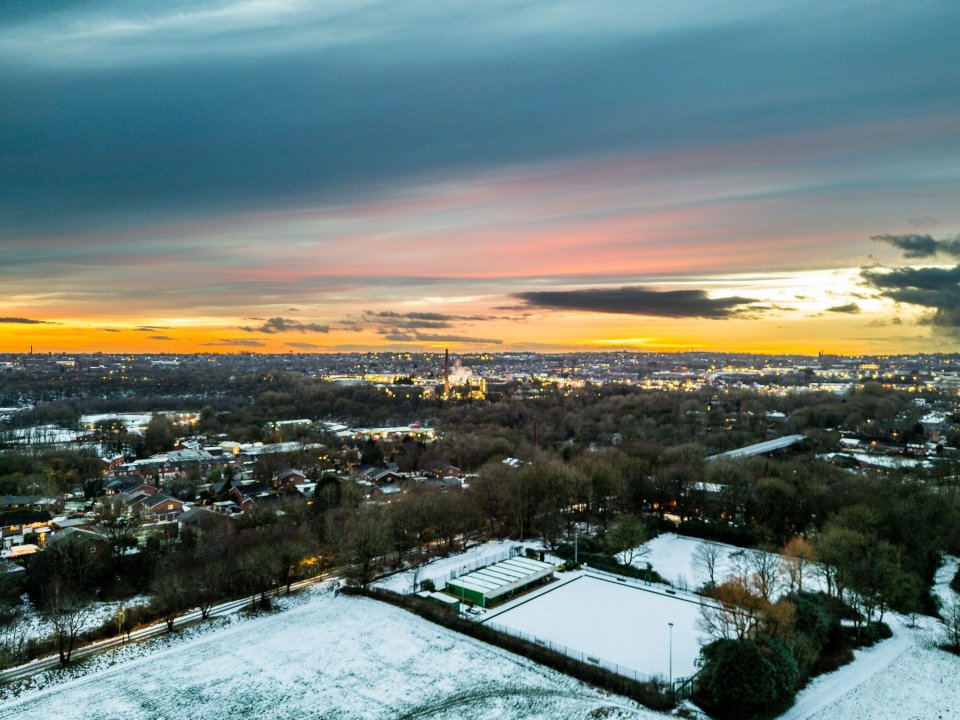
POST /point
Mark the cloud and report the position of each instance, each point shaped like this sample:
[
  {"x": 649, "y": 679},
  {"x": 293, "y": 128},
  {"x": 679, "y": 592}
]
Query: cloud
[
  {"x": 639, "y": 301},
  {"x": 423, "y": 320},
  {"x": 849, "y": 308},
  {"x": 884, "y": 323},
  {"x": 920, "y": 246},
  {"x": 235, "y": 342},
  {"x": 303, "y": 345},
  {"x": 25, "y": 321},
  {"x": 159, "y": 337},
  {"x": 937, "y": 289},
  {"x": 151, "y": 328},
  {"x": 109, "y": 330},
  {"x": 431, "y": 337},
  {"x": 279, "y": 325}
]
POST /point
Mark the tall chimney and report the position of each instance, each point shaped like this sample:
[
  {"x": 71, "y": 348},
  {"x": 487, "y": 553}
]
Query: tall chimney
[{"x": 446, "y": 374}]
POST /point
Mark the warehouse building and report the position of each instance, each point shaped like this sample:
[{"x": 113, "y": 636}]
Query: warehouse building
[{"x": 499, "y": 581}]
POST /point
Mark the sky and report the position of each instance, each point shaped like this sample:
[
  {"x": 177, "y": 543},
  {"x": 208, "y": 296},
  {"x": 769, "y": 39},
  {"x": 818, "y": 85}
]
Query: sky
[{"x": 555, "y": 175}]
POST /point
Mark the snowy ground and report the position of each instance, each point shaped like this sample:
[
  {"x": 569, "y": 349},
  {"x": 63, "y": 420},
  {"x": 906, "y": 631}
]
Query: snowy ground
[
  {"x": 904, "y": 678},
  {"x": 329, "y": 657},
  {"x": 439, "y": 570},
  {"x": 673, "y": 557},
  {"x": 624, "y": 624},
  {"x": 941, "y": 587},
  {"x": 31, "y": 626}
]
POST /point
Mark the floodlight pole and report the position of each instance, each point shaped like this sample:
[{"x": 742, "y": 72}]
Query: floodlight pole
[
  {"x": 576, "y": 544},
  {"x": 671, "y": 657}
]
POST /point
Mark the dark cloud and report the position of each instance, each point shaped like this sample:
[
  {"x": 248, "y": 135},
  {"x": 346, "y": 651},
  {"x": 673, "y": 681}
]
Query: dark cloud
[
  {"x": 428, "y": 320},
  {"x": 913, "y": 245},
  {"x": 937, "y": 289},
  {"x": 151, "y": 328},
  {"x": 303, "y": 345},
  {"x": 405, "y": 326},
  {"x": 279, "y": 325},
  {"x": 421, "y": 324},
  {"x": 349, "y": 326},
  {"x": 25, "y": 321},
  {"x": 235, "y": 342},
  {"x": 159, "y": 337},
  {"x": 431, "y": 337},
  {"x": 109, "y": 330},
  {"x": 639, "y": 301},
  {"x": 884, "y": 323},
  {"x": 849, "y": 308}
]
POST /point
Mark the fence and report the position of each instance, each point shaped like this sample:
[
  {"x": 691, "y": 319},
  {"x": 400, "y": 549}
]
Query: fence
[
  {"x": 682, "y": 688},
  {"x": 440, "y": 581},
  {"x": 660, "y": 588},
  {"x": 587, "y": 659}
]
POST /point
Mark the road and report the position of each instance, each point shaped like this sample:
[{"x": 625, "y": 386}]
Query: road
[{"x": 21, "y": 672}]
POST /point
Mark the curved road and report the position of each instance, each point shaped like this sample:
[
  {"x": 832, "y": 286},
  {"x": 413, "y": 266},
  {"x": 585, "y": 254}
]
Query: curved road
[{"x": 21, "y": 672}]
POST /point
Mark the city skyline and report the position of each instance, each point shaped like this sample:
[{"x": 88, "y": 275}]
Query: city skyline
[{"x": 279, "y": 177}]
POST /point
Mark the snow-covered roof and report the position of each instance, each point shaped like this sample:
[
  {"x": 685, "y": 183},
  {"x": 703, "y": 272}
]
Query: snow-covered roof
[
  {"x": 760, "y": 448},
  {"x": 502, "y": 577}
]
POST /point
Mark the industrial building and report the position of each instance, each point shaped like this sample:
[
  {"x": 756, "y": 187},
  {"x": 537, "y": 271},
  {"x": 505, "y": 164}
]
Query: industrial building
[{"x": 499, "y": 581}]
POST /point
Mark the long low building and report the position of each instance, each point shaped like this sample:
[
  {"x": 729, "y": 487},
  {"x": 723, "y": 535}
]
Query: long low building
[
  {"x": 498, "y": 581},
  {"x": 761, "y": 448}
]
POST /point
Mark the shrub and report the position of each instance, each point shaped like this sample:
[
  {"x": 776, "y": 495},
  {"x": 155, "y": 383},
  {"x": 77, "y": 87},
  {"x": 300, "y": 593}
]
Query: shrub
[{"x": 743, "y": 678}]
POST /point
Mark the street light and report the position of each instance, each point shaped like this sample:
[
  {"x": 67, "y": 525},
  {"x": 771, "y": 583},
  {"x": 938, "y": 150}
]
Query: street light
[
  {"x": 576, "y": 543},
  {"x": 671, "y": 657}
]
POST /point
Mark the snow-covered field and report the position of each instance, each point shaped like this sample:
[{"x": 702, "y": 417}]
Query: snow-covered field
[
  {"x": 330, "y": 657},
  {"x": 620, "y": 623},
  {"x": 674, "y": 558}
]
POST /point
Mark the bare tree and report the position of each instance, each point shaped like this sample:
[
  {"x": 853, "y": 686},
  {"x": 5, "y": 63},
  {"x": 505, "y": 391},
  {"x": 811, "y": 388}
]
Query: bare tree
[
  {"x": 366, "y": 542},
  {"x": 951, "y": 622},
  {"x": 706, "y": 558},
  {"x": 168, "y": 595},
  {"x": 798, "y": 556},
  {"x": 13, "y": 642},
  {"x": 765, "y": 573},
  {"x": 735, "y": 613},
  {"x": 67, "y": 613},
  {"x": 119, "y": 530}
]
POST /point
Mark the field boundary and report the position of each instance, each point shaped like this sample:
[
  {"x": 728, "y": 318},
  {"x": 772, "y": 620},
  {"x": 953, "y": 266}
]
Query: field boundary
[{"x": 651, "y": 693}]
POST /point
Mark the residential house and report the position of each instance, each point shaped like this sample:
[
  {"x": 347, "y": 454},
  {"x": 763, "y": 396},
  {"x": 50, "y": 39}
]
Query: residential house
[
  {"x": 288, "y": 479},
  {"x": 161, "y": 508},
  {"x": 18, "y": 523},
  {"x": 97, "y": 544}
]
